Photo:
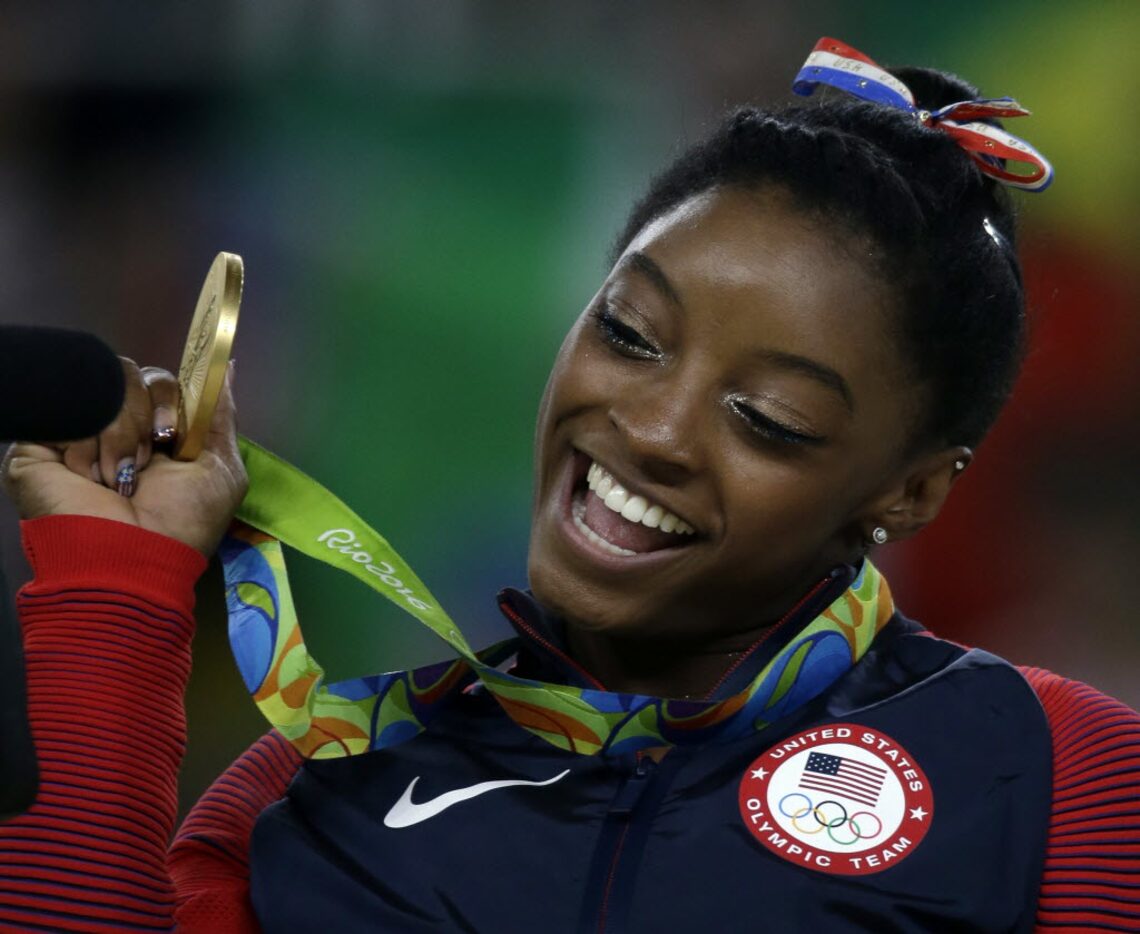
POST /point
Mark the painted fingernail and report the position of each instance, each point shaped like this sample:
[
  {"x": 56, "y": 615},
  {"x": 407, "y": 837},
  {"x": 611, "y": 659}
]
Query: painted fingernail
[
  {"x": 164, "y": 424},
  {"x": 125, "y": 478}
]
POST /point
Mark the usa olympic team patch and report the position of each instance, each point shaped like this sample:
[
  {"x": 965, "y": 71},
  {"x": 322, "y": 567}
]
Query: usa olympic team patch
[{"x": 843, "y": 799}]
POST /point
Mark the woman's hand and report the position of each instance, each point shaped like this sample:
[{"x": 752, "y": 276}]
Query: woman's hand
[{"x": 125, "y": 474}]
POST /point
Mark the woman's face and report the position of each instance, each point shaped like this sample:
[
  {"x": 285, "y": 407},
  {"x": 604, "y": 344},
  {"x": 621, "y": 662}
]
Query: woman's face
[{"x": 735, "y": 378}]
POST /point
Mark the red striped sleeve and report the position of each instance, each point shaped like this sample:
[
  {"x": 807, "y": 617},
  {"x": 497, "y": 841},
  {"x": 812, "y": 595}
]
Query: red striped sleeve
[
  {"x": 1091, "y": 880},
  {"x": 107, "y": 628},
  {"x": 209, "y": 861}
]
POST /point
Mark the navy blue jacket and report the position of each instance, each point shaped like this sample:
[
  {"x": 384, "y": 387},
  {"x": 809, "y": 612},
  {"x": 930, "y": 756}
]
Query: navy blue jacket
[{"x": 636, "y": 845}]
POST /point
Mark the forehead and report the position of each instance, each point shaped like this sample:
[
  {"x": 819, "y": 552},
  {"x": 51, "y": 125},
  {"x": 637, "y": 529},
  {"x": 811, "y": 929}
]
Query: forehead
[{"x": 756, "y": 269}]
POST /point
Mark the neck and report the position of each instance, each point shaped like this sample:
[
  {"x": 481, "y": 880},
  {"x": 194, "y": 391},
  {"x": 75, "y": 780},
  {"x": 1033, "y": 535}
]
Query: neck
[
  {"x": 633, "y": 666},
  {"x": 679, "y": 670}
]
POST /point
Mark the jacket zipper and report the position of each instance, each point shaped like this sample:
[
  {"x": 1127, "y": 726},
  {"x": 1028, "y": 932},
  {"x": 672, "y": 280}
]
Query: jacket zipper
[
  {"x": 622, "y": 808},
  {"x": 550, "y": 647}
]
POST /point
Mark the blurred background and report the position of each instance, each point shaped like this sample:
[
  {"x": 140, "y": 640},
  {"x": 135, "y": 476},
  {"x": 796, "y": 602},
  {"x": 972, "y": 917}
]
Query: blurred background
[{"x": 424, "y": 196}]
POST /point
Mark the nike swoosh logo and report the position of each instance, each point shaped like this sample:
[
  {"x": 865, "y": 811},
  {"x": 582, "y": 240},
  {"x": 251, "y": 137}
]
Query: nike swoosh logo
[{"x": 405, "y": 812}]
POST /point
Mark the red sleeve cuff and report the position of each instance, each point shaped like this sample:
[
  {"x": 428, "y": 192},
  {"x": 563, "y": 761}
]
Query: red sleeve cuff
[{"x": 85, "y": 552}]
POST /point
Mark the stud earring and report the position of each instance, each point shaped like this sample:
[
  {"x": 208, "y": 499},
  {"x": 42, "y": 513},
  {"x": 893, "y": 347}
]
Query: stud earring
[
  {"x": 879, "y": 535},
  {"x": 959, "y": 465}
]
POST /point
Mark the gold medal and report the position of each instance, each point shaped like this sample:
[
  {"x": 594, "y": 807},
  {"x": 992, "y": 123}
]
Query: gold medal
[{"x": 207, "y": 352}]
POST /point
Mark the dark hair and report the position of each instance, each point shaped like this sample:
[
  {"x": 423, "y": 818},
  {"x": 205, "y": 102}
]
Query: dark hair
[{"x": 945, "y": 231}]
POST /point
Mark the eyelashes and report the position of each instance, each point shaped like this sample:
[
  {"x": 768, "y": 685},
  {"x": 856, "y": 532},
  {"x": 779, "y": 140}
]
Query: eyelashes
[
  {"x": 630, "y": 342},
  {"x": 770, "y": 428},
  {"x": 617, "y": 333}
]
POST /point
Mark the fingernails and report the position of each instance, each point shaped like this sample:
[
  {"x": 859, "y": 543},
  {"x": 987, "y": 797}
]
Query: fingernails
[
  {"x": 125, "y": 478},
  {"x": 165, "y": 421}
]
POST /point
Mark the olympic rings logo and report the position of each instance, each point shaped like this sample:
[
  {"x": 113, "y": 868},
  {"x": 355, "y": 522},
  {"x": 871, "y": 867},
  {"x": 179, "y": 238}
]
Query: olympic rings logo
[{"x": 830, "y": 816}]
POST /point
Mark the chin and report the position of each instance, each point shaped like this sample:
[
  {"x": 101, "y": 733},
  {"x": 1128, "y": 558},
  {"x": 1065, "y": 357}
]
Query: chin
[
  {"x": 642, "y": 606},
  {"x": 589, "y": 583},
  {"x": 587, "y": 607}
]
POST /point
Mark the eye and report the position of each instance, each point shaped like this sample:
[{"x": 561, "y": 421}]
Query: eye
[
  {"x": 769, "y": 428},
  {"x": 622, "y": 336}
]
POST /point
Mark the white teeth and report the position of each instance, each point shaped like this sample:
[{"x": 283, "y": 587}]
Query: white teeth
[
  {"x": 616, "y": 498},
  {"x": 578, "y": 514},
  {"x": 634, "y": 508}
]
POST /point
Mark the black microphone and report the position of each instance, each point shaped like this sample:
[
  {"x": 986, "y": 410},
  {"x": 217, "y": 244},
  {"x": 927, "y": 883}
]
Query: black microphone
[
  {"x": 56, "y": 385},
  {"x": 19, "y": 773}
]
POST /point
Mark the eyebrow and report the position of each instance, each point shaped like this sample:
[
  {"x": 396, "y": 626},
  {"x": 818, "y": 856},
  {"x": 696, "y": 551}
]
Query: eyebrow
[
  {"x": 808, "y": 367},
  {"x": 643, "y": 264},
  {"x": 788, "y": 361}
]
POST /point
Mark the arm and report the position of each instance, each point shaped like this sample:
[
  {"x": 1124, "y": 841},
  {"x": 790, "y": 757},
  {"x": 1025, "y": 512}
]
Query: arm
[
  {"x": 108, "y": 625},
  {"x": 1092, "y": 863},
  {"x": 209, "y": 862}
]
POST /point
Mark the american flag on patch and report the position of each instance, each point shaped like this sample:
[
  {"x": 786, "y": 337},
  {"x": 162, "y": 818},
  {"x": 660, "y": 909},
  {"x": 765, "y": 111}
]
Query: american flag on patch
[{"x": 847, "y": 777}]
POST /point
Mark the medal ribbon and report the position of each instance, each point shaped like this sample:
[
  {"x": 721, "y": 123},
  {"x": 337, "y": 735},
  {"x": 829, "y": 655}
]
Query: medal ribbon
[
  {"x": 350, "y": 717},
  {"x": 839, "y": 65}
]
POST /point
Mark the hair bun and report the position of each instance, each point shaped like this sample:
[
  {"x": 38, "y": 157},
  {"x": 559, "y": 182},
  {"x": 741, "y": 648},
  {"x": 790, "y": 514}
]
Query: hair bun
[{"x": 933, "y": 89}]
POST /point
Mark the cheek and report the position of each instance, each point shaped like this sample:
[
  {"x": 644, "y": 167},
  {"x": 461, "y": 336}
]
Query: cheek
[
  {"x": 569, "y": 390},
  {"x": 560, "y": 371},
  {"x": 784, "y": 509},
  {"x": 581, "y": 376}
]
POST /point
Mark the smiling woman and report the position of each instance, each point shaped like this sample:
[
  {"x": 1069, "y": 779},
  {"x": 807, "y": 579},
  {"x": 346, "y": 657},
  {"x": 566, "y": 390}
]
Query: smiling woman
[
  {"x": 737, "y": 370},
  {"x": 712, "y": 717}
]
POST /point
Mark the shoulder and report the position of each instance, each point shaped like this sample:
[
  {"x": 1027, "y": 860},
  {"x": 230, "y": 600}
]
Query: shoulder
[
  {"x": 1066, "y": 700},
  {"x": 1096, "y": 738},
  {"x": 209, "y": 861},
  {"x": 1093, "y": 852}
]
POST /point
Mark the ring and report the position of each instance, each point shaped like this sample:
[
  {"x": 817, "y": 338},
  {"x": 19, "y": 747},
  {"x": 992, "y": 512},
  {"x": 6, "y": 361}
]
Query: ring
[
  {"x": 866, "y": 836},
  {"x": 838, "y": 822},
  {"x": 854, "y": 829},
  {"x": 794, "y": 794},
  {"x": 806, "y": 833}
]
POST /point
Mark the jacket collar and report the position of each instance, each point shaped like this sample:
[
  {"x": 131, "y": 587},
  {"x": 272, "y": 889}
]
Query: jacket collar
[{"x": 542, "y": 637}]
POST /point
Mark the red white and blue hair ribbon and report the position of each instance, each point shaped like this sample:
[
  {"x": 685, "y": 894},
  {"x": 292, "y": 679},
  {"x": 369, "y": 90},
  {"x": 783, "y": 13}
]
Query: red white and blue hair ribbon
[{"x": 839, "y": 65}]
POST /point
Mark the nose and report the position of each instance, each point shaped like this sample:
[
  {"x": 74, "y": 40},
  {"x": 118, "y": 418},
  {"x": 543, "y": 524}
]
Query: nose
[{"x": 660, "y": 425}]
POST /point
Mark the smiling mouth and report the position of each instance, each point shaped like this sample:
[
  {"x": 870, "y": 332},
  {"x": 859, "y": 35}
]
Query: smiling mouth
[{"x": 622, "y": 523}]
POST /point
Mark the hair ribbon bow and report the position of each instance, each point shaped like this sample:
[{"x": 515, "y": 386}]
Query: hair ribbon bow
[{"x": 839, "y": 65}]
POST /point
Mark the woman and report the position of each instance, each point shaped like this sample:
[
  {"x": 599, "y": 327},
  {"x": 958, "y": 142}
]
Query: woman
[{"x": 812, "y": 319}]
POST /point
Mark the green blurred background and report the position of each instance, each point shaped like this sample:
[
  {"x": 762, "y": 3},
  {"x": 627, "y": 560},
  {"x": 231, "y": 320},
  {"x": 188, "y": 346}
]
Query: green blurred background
[{"x": 424, "y": 195}]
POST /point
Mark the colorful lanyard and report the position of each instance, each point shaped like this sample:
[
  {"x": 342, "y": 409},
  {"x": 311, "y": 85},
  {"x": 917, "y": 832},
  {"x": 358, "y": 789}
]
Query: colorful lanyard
[{"x": 330, "y": 720}]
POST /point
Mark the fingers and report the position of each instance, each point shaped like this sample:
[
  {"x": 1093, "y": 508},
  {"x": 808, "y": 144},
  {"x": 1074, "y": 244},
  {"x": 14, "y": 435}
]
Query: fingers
[
  {"x": 126, "y": 441},
  {"x": 165, "y": 399},
  {"x": 222, "y": 436},
  {"x": 149, "y": 413},
  {"x": 82, "y": 457},
  {"x": 24, "y": 451}
]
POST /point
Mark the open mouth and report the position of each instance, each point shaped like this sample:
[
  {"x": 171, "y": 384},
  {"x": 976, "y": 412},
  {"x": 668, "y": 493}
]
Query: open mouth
[{"x": 618, "y": 521}]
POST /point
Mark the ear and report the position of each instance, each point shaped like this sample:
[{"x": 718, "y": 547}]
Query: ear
[{"x": 916, "y": 499}]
